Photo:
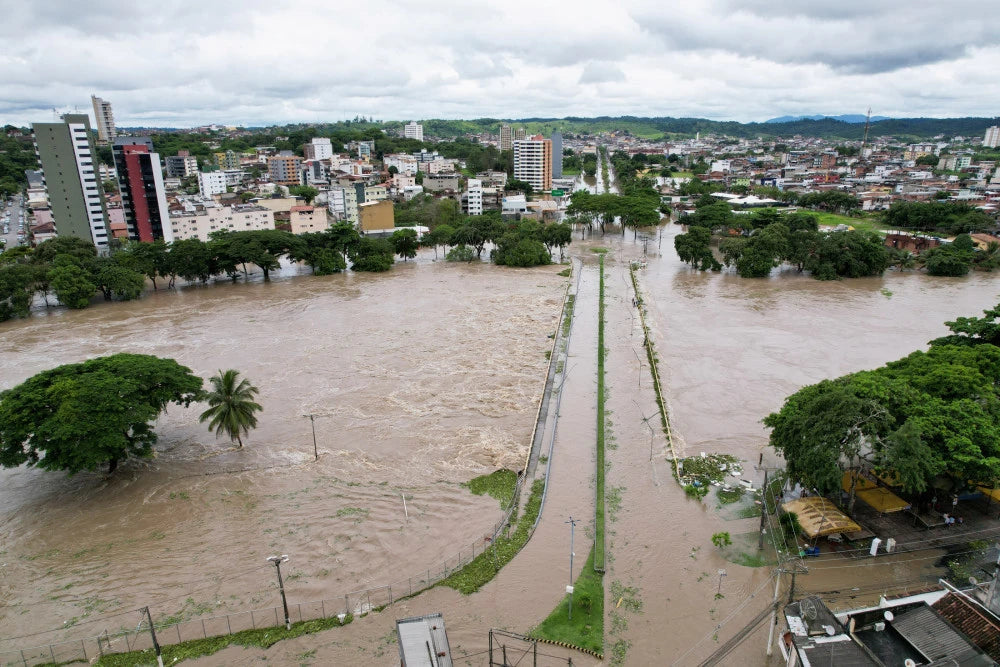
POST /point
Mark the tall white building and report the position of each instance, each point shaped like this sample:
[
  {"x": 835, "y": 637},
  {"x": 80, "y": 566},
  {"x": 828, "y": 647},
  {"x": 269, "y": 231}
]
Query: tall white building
[
  {"x": 67, "y": 155},
  {"x": 104, "y": 119},
  {"x": 320, "y": 148},
  {"x": 992, "y": 138},
  {"x": 201, "y": 223},
  {"x": 533, "y": 162},
  {"x": 211, "y": 183},
  {"x": 474, "y": 196},
  {"x": 413, "y": 130}
]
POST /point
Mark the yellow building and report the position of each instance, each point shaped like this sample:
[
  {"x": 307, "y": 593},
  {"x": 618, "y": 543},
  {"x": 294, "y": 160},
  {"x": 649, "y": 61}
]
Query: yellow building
[{"x": 376, "y": 216}]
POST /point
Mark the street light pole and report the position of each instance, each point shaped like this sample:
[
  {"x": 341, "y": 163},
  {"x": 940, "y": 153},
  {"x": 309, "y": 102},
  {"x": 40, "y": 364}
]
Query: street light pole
[
  {"x": 569, "y": 588},
  {"x": 152, "y": 633},
  {"x": 312, "y": 420},
  {"x": 278, "y": 560}
]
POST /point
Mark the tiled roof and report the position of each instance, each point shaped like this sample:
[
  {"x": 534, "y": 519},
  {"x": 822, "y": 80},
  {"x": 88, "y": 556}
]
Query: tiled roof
[{"x": 978, "y": 624}]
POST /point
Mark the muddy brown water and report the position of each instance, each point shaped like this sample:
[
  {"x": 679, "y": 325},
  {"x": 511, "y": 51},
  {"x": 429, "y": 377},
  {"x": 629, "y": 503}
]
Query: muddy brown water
[{"x": 421, "y": 379}]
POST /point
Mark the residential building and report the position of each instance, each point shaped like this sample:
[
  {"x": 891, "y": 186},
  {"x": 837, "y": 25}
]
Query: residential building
[
  {"x": 140, "y": 184},
  {"x": 376, "y": 216},
  {"x": 104, "y": 118},
  {"x": 520, "y": 134},
  {"x": 307, "y": 219},
  {"x": 506, "y": 138},
  {"x": 37, "y": 198},
  {"x": 314, "y": 173},
  {"x": 557, "y": 154},
  {"x": 181, "y": 165},
  {"x": 234, "y": 177},
  {"x": 319, "y": 148},
  {"x": 411, "y": 191},
  {"x": 992, "y": 138},
  {"x": 202, "y": 222},
  {"x": 473, "y": 197},
  {"x": 66, "y": 152},
  {"x": 365, "y": 150},
  {"x": 441, "y": 182},
  {"x": 514, "y": 205},
  {"x": 404, "y": 164},
  {"x": 400, "y": 181},
  {"x": 413, "y": 130},
  {"x": 211, "y": 183},
  {"x": 228, "y": 160},
  {"x": 284, "y": 168},
  {"x": 533, "y": 162}
]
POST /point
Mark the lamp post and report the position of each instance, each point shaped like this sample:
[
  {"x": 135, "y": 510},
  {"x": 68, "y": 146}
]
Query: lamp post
[
  {"x": 569, "y": 588},
  {"x": 278, "y": 560},
  {"x": 312, "y": 420},
  {"x": 718, "y": 593}
]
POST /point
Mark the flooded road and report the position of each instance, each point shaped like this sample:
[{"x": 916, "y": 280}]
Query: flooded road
[{"x": 419, "y": 379}]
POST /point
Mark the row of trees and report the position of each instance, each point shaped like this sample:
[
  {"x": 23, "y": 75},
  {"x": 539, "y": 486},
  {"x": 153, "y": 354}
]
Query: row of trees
[
  {"x": 71, "y": 269},
  {"x": 929, "y": 415},
  {"x": 523, "y": 243},
  {"x": 635, "y": 209},
  {"x": 99, "y": 412},
  {"x": 938, "y": 217}
]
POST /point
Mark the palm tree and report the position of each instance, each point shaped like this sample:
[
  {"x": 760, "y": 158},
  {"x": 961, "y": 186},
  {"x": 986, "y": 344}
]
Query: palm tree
[{"x": 232, "y": 406}]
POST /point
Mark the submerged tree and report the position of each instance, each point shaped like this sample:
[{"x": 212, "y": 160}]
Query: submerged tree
[
  {"x": 80, "y": 416},
  {"x": 231, "y": 406}
]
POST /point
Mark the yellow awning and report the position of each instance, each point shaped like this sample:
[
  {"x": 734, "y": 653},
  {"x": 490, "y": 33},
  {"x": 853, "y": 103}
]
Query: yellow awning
[
  {"x": 862, "y": 483},
  {"x": 818, "y": 516},
  {"x": 991, "y": 493},
  {"x": 883, "y": 500}
]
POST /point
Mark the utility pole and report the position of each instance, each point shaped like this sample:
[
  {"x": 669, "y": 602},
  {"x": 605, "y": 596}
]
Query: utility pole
[
  {"x": 152, "y": 633},
  {"x": 278, "y": 560},
  {"x": 569, "y": 588},
  {"x": 763, "y": 514},
  {"x": 312, "y": 420},
  {"x": 774, "y": 611}
]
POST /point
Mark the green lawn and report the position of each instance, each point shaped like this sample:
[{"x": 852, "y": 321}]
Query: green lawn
[
  {"x": 586, "y": 628},
  {"x": 861, "y": 224},
  {"x": 485, "y": 566}
]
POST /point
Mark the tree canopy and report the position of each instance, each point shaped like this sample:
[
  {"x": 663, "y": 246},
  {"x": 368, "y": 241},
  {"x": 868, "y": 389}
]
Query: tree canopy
[
  {"x": 80, "y": 416},
  {"x": 931, "y": 414}
]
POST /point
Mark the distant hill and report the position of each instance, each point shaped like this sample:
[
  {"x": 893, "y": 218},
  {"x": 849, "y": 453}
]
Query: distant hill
[
  {"x": 903, "y": 129},
  {"x": 843, "y": 118}
]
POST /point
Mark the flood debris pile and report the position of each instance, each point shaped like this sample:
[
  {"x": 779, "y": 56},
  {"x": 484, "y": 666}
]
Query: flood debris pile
[{"x": 699, "y": 473}]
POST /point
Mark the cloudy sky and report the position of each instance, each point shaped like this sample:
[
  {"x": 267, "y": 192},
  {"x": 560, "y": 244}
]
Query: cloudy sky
[{"x": 255, "y": 62}]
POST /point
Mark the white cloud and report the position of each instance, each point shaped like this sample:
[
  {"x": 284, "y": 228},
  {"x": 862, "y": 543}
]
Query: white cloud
[{"x": 180, "y": 62}]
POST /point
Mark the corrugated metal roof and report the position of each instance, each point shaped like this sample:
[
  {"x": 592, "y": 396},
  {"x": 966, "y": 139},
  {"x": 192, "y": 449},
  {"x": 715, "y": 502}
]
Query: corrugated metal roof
[{"x": 935, "y": 637}]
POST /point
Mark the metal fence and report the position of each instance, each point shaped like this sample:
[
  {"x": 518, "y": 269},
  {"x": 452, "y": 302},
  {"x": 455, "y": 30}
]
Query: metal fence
[{"x": 355, "y": 603}]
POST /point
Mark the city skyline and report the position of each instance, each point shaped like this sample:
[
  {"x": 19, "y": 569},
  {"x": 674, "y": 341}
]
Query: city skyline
[{"x": 187, "y": 65}]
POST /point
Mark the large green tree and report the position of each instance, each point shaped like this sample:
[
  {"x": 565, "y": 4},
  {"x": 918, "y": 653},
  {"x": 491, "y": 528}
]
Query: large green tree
[
  {"x": 231, "y": 408},
  {"x": 930, "y": 414},
  {"x": 80, "y": 416}
]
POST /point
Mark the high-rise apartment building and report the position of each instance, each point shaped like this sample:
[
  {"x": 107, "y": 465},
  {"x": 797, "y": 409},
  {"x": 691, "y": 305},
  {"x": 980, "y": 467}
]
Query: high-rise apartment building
[
  {"x": 104, "y": 118},
  {"x": 284, "y": 168},
  {"x": 557, "y": 154},
  {"x": 992, "y": 138},
  {"x": 413, "y": 130},
  {"x": 319, "y": 148},
  {"x": 474, "y": 197},
  {"x": 520, "y": 134},
  {"x": 533, "y": 162},
  {"x": 140, "y": 182},
  {"x": 506, "y": 138},
  {"x": 67, "y": 155}
]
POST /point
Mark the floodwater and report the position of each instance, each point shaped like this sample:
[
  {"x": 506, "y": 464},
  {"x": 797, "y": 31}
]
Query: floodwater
[{"x": 419, "y": 380}]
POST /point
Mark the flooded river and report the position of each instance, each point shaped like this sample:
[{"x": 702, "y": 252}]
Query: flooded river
[{"x": 419, "y": 380}]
